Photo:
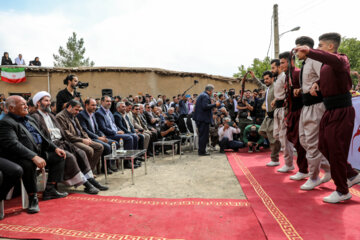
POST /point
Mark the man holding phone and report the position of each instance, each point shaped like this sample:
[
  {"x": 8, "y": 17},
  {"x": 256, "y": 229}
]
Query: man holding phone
[{"x": 226, "y": 136}]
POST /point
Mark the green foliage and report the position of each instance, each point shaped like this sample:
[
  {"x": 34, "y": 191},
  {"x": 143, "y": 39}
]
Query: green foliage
[
  {"x": 258, "y": 67},
  {"x": 73, "y": 55},
  {"x": 351, "y": 47}
]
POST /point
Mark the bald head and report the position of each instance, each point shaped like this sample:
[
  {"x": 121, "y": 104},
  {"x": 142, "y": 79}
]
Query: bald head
[{"x": 17, "y": 105}]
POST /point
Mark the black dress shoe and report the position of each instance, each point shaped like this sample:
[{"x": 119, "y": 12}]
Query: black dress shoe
[
  {"x": 127, "y": 165},
  {"x": 204, "y": 154},
  {"x": 97, "y": 184},
  {"x": 90, "y": 189},
  {"x": 52, "y": 193},
  {"x": 33, "y": 204},
  {"x": 108, "y": 171},
  {"x": 114, "y": 169}
]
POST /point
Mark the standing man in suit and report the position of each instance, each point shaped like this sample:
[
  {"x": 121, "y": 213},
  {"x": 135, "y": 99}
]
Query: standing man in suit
[
  {"x": 203, "y": 117},
  {"x": 22, "y": 142},
  {"x": 105, "y": 120},
  {"x": 88, "y": 123}
]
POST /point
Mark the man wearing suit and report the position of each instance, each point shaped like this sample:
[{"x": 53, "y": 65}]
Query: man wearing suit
[
  {"x": 203, "y": 117},
  {"x": 123, "y": 122},
  {"x": 139, "y": 126},
  {"x": 22, "y": 142},
  {"x": 88, "y": 123},
  {"x": 105, "y": 120},
  {"x": 76, "y": 135},
  {"x": 267, "y": 126},
  {"x": 77, "y": 167}
]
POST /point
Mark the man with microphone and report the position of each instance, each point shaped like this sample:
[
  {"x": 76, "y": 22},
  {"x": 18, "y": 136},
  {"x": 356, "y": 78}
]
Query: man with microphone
[{"x": 203, "y": 117}]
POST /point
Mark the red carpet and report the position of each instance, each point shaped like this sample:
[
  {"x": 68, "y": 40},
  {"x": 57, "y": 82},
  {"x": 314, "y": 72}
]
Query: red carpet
[
  {"x": 285, "y": 211},
  {"x": 95, "y": 217}
]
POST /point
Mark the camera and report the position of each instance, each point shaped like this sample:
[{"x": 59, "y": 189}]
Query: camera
[{"x": 82, "y": 85}]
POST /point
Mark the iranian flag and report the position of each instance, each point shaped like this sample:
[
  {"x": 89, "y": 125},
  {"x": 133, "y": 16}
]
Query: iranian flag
[{"x": 13, "y": 75}]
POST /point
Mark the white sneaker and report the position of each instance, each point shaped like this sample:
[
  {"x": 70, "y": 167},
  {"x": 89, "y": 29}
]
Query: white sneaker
[
  {"x": 336, "y": 197},
  {"x": 272, "y": 164},
  {"x": 310, "y": 184},
  {"x": 299, "y": 176},
  {"x": 326, "y": 177},
  {"x": 285, "y": 169},
  {"x": 354, "y": 181},
  {"x": 249, "y": 118}
]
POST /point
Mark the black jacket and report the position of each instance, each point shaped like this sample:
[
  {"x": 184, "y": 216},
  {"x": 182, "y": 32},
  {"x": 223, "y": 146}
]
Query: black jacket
[
  {"x": 203, "y": 108},
  {"x": 5, "y": 61},
  {"x": 85, "y": 123},
  {"x": 120, "y": 122},
  {"x": 16, "y": 142}
]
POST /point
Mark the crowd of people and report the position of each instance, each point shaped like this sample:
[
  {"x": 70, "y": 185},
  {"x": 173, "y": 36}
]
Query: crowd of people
[
  {"x": 6, "y": 60},
  {"x": 301, "y": 109}
]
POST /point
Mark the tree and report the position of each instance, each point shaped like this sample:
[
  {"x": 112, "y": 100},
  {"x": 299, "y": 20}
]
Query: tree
[
  {"x": 351, "y": 47},
  {"x": 73, "y": 55},
  {"x": 258, "y": 67}
]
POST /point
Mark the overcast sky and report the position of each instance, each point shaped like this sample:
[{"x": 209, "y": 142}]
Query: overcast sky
[{"x": 213, "y": 37}]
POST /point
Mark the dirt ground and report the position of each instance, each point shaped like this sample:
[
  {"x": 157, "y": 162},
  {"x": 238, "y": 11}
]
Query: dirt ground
[{"x": 189, "y": 177}]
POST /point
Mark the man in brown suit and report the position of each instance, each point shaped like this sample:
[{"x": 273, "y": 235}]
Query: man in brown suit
[
  {"x": 77, "y": 168},
  {"x": 76, "y": 135}
]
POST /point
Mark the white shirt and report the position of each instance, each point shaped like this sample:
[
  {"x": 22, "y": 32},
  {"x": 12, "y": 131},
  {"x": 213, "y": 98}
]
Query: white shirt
[
  {"x": 266, "y": 101},
  {"x": 279, "y": 87},
  {"x": 55, "y": 133},
  {"x": 310, "y": 74},
  {"x": 228, "y": 132},
  {"x": 19, "y": 61}
]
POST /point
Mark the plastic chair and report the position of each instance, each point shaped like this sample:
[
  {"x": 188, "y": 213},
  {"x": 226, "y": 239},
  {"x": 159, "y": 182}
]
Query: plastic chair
[
  {"x": 24, "y": 195},
  {"x": 196, "y": 135}
]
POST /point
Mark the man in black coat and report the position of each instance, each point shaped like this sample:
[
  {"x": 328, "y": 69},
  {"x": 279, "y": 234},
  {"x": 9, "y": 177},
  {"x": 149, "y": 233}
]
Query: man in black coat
[
  {"x": 22, "y": 142},
  {"x": 203, "y": 117}
]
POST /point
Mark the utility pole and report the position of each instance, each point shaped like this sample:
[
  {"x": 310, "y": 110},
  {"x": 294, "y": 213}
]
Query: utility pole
[{"x": 276, "y": 31}]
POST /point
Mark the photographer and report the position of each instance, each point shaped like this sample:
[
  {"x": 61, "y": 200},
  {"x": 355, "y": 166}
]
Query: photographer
[
  {"x": 65, "y": 95},
  {"x": 226, "y": 136},
  {"x": 252, "y": 138},
  {"x": 230, "y": 104},
  {"x": 245, "y": 106},
  {"x": 170, "y": 131}
]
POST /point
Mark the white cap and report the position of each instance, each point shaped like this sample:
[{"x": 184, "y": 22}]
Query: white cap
[{"x": 39, "y": 96}]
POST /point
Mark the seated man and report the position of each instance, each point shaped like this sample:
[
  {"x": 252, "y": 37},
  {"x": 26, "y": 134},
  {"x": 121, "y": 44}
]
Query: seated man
[
  {"x": 141, "y": 128},
  {"x": 105, "y": 120},
  {"x": 88, "y": 123},
  {"x": 226, "y": 136},
  {"x": 252, "y": 138},
  {"x": 22, "y": 142},
  {"x": 122, "y": 122},
  {"x": 11, "y": 173},
  {"x": 77, "y": 168},
  {"x": 76, "y": 135},
  {"x": 151, "y": 120},
  {"x": 170, "y": 131}
]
